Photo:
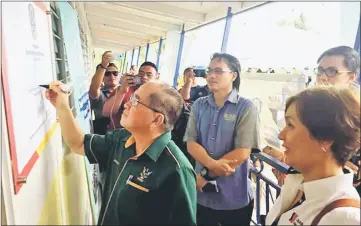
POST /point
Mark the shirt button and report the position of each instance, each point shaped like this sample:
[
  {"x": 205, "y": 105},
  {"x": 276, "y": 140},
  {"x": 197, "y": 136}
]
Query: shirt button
[
  {"x": 213, "y": 138},
  {"x": 215, "y": 124}
]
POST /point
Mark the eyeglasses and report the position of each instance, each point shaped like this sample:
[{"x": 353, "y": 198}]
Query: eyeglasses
[
  {"x": 109, "y": 73},
  {"x": 134, "y": 102},
  {"x": 217, "y": 71},
  {"x": 329, "y": 72}
]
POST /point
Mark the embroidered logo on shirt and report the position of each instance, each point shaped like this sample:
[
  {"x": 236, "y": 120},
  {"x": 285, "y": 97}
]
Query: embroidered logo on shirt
[
  {"x": 229, "y": 117},
  {"x": 144, "y": 174},
  {"x": 294, "y": 220}
]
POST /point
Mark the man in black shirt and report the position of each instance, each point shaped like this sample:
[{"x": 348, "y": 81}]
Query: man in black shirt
[{"x": 190, "y": 90}]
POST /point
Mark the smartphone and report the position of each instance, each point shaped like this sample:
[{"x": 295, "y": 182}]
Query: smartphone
[
  {"x": 138, "y": 80},
  {"x": 199, "y": 72}
]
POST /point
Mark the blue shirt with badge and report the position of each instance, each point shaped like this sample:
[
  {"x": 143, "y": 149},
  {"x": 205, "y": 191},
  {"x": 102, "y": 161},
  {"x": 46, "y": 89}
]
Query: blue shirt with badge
[{"x": 220, "y": 131}]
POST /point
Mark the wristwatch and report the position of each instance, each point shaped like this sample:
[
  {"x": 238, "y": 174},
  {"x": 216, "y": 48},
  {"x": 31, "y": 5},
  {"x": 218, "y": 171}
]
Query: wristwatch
[
  {"x": 100, "y": 65},
  {"x": 204, "y": 173}
]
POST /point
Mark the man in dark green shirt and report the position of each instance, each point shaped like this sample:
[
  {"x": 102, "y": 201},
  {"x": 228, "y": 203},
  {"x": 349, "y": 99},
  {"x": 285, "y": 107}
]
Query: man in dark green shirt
[{"x": 148, "y": 179}]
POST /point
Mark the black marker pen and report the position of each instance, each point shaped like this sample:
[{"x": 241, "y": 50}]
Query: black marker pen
[{"x": 63, "y": 88}]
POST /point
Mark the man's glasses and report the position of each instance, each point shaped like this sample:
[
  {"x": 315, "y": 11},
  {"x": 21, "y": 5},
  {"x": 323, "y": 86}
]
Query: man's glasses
[
  {"x": 217, "y": 71},
  {"x": 109, "y": 73},
  {"x": 329, "y": 72},
  {"x": 134, "y": 102}
]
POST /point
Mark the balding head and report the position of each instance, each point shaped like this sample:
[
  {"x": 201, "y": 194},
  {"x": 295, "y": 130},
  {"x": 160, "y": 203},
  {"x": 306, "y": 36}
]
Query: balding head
[
  {"x": 167, "y": 100},
  {"x": 153, "y": 108}
]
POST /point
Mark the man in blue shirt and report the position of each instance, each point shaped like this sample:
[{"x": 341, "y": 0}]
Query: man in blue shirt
[{"x": 222, "y": 129}]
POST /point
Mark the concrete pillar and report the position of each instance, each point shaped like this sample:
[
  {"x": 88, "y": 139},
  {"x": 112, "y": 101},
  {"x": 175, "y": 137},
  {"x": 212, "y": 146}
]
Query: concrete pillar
[{"x": 168, "y": 59}]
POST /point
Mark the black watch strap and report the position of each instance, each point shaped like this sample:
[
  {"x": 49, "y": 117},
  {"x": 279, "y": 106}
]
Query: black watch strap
[
  {"x": 206, "y": 175},
  {"x": 101, "y": 66}
]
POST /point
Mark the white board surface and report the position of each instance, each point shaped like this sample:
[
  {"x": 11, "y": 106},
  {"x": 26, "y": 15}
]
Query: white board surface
[{"x": 26, "y": 37}]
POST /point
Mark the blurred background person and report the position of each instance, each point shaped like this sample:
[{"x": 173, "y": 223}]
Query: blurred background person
[
  {"x": 191, "y": 91},
  {"x": 114, "y": 105},
  {"x": 133, "y": 70},
  {"x": 338, "y": 65},
  {"x": 103, "y": 83}
]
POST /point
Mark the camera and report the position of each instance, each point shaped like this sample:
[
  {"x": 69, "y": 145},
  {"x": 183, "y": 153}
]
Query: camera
[{"x": 199, "y": 71}]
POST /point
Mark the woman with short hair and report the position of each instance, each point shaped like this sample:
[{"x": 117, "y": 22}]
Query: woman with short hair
[{"x": 322, "y": 133}]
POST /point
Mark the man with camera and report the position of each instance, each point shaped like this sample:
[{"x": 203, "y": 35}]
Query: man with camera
[{"x": 190, "y": 90}]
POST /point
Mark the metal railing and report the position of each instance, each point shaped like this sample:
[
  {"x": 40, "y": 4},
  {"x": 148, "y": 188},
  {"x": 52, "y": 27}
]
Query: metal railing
[{"x": 283, "y": 168}]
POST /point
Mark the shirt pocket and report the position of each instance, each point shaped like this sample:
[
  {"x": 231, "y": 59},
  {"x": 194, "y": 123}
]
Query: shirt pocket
[{"x": 131, "y": 197}]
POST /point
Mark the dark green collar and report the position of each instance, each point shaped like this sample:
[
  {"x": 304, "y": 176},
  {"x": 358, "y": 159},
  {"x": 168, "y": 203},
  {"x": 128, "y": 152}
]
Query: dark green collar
[{"x": 156, "y": 148}]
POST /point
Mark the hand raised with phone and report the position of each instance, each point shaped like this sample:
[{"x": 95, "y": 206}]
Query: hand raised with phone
[
  {"x": 107, "y": 57},
  {"x": 189, "y": 76},
  {"x": 130, "y": 80}
]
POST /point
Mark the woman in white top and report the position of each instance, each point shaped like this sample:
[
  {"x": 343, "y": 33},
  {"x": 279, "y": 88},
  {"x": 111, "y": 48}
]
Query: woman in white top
[{"x": 322, "y": 133}]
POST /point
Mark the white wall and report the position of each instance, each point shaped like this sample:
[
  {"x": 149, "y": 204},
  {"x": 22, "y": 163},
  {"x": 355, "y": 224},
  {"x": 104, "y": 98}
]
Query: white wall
[
  {"x": 168, "y": 59},
  {"x": 56, "y": 191}
]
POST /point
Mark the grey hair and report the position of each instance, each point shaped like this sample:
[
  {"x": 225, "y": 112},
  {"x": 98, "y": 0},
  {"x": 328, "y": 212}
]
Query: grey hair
[{"x": 169, "y": 102}]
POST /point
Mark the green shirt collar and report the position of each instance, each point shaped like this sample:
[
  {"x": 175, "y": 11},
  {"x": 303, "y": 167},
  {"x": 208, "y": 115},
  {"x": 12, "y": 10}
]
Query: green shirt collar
[{"x": 156, "y": 148}]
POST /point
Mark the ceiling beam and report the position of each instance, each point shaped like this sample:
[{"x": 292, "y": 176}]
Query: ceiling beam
[
  {"x": 119, "y": 38},
  {"x": 245, "y": 5},
  {"x": 120, "y": 31},
  {"x": 111, "y": 48},
  {"x": 164, "y": 10},
  {"x": 109, "y": 11},
  {"x": 126, "y": 26},
  {"x": 115, "y": 42},
  {"x": 127, "y": 22},
  {"x": 135, "y": 12},
  {"x": 112, "y": 43}
]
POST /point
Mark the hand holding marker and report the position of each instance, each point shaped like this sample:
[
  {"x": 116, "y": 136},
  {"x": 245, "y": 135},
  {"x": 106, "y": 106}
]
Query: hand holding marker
[
  {"x": 63, "y": 87},
  {"x": 58, "y": 94}
]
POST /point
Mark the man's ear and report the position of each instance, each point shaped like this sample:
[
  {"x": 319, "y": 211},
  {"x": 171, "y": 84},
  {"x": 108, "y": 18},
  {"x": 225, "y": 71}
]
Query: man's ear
[
  {"x": 158, "y": 120},
  {"x": 157, "y": 76},
  {"x": 234, "y": 76},
  {"x": 353, "y": 77}
]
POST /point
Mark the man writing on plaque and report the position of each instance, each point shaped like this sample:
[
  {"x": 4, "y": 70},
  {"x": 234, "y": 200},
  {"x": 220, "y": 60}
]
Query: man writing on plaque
[{"x": 149, "y": 181}]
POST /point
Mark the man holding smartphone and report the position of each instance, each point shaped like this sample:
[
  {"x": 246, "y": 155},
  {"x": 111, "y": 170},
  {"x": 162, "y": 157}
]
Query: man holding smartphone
[
  {"x": 190, "y": 90},
  {"x": 104, "y": 82},
  {"x": 115, "y": 103}
]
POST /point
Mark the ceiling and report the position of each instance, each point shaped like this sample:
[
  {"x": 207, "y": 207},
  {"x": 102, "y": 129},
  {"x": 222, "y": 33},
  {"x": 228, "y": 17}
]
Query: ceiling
[{"x": 123, "y": 25}]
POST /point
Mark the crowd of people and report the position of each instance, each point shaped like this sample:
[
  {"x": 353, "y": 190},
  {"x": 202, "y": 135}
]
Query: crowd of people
[{"x": 182, "y": 157}]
